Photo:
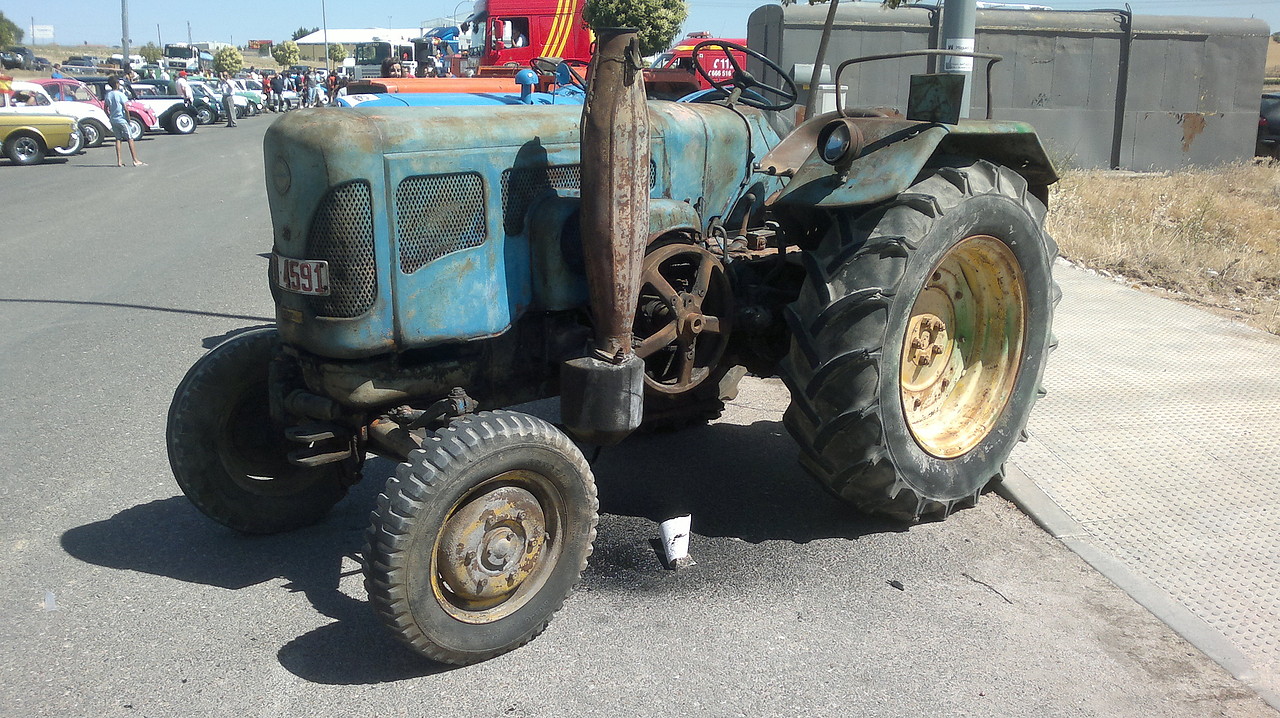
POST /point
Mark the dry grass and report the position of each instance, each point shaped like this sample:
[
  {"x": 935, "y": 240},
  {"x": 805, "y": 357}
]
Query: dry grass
[
  {"x": 1211, "y": 237},
  {"x": 1273, "y": 61}
]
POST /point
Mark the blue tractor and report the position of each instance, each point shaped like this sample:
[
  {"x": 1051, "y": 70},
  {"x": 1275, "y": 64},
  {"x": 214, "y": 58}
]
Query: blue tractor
[{"x": 430, "y": 268}]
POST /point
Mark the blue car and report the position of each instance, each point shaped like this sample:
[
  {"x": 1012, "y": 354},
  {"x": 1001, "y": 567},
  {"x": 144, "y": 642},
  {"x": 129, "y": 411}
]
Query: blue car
[{"x": 569, "y": 92}]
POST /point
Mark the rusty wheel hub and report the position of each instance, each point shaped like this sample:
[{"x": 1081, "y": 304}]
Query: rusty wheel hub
[
  {"x": 963, "y": 346},
  {"x": 682, "y": 327},
  {"x": 494, "y": 550}
]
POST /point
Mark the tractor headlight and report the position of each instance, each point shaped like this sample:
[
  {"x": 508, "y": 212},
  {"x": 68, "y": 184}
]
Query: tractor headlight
[{"x": 839, "y": 142}]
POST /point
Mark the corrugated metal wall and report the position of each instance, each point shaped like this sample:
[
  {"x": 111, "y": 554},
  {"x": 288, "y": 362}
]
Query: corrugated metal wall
[{"x": 1193, "y": 83}]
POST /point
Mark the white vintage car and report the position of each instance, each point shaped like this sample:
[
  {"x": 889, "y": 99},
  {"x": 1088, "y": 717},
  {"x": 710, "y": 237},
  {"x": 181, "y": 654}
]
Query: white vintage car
[{"x": 28, "y": 97}]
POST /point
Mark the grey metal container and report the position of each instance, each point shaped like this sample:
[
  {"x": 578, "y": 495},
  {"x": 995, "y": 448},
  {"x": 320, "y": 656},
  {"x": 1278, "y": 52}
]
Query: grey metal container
[{"x": 1103, "y": 88}]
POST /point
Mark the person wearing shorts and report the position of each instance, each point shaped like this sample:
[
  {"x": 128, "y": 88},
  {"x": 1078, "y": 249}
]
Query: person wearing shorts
[{"x": 115, "y": 106}]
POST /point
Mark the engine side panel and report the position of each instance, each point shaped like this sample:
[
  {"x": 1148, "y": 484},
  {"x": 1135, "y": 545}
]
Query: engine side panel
[{"x": 428, "y": 218}]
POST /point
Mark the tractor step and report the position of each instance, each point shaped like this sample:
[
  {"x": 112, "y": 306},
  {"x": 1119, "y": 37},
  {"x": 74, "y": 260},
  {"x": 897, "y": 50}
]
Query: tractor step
[
  {"x": 311, "y": 433},
  {"x": 318, "y": 456}
]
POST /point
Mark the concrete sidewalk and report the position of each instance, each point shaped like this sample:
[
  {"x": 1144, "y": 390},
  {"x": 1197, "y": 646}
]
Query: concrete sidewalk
[{"x": 1156, "y": 457}]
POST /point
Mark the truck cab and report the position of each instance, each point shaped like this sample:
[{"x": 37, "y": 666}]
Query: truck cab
[
  {"x": 719, "y": 68},
  {"x": 506, "y": 32}
]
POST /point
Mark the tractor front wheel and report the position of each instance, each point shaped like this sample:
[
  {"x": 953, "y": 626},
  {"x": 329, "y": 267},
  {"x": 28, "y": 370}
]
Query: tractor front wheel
[
  {"x": 919, "y": 341},
  {"x": 227, "y": 454},
  {"x": 480, "y": 537}
]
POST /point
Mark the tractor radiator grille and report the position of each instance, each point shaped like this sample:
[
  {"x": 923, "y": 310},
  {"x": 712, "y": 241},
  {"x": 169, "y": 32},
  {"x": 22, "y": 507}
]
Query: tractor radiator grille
[
  {"x": 341, "y": 234},
  {"x": 522, "y": 185},
  {"x": 438, "y": 214}
]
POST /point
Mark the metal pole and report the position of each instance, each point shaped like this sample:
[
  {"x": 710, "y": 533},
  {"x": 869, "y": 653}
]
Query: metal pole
[
  {"x": 159, "y": 42},
  {"x": 124, "y": 34},
  {"x": 324, "y": 21},
  {"x": 815, "y": 96},
  {"x": 188, "y": 32},
  {"x": 958, "y": 20}
]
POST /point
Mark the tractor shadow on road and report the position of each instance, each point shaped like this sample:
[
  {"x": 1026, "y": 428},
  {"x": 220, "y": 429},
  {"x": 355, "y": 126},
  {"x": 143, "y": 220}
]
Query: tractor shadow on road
[
  {"x": 738, "y": 481},
  {"x": 169, "y": 538}
]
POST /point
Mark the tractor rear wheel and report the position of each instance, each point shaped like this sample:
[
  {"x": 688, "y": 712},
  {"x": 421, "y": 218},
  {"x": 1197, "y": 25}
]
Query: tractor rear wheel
[
  {"x": 227, "y": 454},
  {"x": 919, "y": 341},
  {"x": 479, "y": 538}
]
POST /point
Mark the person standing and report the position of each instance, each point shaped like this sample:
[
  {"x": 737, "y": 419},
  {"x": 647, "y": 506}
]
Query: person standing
[
  {"x": 184, "y": 88},
  {"x": 228, "y": 99},
  {"x": 268, "y": 98},
  {"x": 115, "y": 106},
  {"x": 277, "y": 90}
]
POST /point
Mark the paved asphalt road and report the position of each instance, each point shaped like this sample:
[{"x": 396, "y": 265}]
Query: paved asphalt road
[{"x": 120, "y": 600}]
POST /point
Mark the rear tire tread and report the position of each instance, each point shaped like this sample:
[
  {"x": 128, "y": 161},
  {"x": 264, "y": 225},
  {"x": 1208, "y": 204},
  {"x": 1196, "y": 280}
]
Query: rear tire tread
[{"x": 838, "y": 323}]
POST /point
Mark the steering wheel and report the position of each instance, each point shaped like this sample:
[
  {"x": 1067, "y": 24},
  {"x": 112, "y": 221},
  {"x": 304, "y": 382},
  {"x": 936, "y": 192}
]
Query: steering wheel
[
  {"x": 552, "y": 65},
  {"x": 743, "y": 80}
]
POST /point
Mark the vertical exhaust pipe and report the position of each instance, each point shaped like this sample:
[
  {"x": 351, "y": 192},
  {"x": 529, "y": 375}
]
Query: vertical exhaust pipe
[{"x": 602, "y": 394}]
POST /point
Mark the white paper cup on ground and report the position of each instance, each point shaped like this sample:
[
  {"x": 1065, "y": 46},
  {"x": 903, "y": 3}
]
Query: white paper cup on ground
[{"x": 675, "y": 541}]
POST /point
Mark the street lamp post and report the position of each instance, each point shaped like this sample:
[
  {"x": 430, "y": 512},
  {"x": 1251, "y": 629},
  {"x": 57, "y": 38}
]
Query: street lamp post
[
  {"x": 324, "y": 22},
  {"x": 455, "y": 10},
  {"x": 124, "y": 34}
]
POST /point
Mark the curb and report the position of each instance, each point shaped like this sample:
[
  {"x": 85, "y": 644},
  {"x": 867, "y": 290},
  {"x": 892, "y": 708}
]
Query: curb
[{"x": 1019, "y": 489}]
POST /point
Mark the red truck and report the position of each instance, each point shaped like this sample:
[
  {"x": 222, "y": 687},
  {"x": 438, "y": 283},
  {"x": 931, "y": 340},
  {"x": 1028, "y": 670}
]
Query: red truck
[
  {"x": 507, "y": 32},
  {"x": 716, "y": 63}
]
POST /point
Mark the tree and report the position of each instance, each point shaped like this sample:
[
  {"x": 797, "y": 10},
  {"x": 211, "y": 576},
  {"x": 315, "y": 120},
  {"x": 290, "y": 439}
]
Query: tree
[
  {"x": 10, "y": 33},
  {"x": 302, "y": 32},
  {"x": 658, "y": 20},
  {"x": 337, "y": 52},
  {"x": 150, "y": 53},
  {"x": 286, "y": 53},
  {"x": 1275, "y": 37},
  {"x": 229, "y": 60}
]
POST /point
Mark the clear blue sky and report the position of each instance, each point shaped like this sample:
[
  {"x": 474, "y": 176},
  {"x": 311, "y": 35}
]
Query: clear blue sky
[{"x": 98, "y": 21}]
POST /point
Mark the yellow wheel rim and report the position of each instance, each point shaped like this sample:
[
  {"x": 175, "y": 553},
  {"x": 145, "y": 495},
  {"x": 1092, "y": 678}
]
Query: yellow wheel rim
[
  {"x": 963, "y": 347},
  {"x": 497, "y": 547}
]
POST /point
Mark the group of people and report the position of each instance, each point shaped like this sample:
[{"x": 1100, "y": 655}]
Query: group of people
[
  {"x": 436, "y": 63},
  {"x": 311, "y": 89}
]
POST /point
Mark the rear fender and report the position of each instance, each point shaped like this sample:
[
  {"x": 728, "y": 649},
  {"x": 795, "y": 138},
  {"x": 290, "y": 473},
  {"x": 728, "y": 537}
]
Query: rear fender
[{"x": 893, "y": 153}]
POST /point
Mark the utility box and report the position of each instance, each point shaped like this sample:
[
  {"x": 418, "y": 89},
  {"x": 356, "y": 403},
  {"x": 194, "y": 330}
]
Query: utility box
[{"x": 1103, "y": 88}]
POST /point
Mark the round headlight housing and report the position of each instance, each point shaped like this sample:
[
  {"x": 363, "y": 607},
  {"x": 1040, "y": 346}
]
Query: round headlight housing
[
  {"x": 839, "y": 142},
  {"x": 834, "y": 142}
]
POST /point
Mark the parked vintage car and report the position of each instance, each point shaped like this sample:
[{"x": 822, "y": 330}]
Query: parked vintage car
[
  {"x": 208, "y": 91},
  {"x": 251, "y": 90},
  {"x": 204, "y": 106},
  {"x": 172, "y": 115},
  {"x": 141, "y": 118},
  {"x": 31, "y": 99},
  {"x": 26, "y": 139}
]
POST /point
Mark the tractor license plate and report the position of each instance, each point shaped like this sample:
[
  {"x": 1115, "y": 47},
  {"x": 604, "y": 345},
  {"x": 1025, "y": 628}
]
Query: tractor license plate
[{"x": 303, "y": 276}]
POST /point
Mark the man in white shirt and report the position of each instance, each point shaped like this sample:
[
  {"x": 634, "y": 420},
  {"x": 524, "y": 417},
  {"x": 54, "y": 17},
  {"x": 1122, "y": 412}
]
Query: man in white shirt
[{"x": 184, "y": 88}]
